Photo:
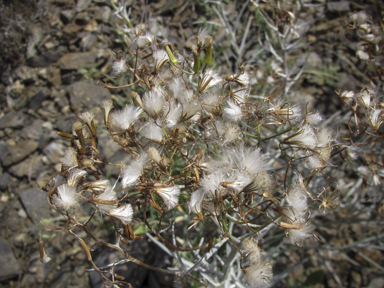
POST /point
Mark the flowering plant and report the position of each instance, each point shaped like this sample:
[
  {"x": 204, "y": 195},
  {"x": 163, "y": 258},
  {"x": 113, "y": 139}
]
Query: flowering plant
[{"x": 201, "y": 145}]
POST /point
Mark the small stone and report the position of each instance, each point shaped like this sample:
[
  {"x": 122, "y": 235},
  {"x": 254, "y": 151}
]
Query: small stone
[
  {"x": 52, "y": 75},
  {"x": 9, "y": 266},
  {"x": 82, "y": 5},
  {"x": 84, "y": 96},
  {"x": 33, "y": 131},
  {"x": 77, "y": 60},
  {"x": 36, "y": 95},
  {"x": 50, "y": 44},
  {"x": 87, "y": 41},
  {"x": 35, "y": 202},
  {"x": 22, "y": 213},
  {"x": 72, "y": 28},
  {"x": 46, "y": 58},
  {"x": 339, "y": 6},
  {"x": 35, "y": 36},
  {"x": 82, "y": 18},
  {"x": 5, "y": 178},
  {"x": 25, "y": 73},
  {"x": 14, "y": 154},
  {"x": 48, "y": 125},
  {"x": 91, "y": 26},
  {"x": 103, "y": 14},
  {"x": 28, "y": 281},
  {"x": 4, "y": 198},
  {"x": 13, "y": 119},
  {"x": 67, "y": 15},
  {"x": 30, "y": 167}
]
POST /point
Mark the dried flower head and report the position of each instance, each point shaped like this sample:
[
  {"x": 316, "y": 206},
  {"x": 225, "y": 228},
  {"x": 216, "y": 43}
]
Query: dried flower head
[
  {"x": 70, "y": 158},
  {"x": 259, "y": 274},
  {"x": 66, "y": 197},
  {"x": 75, "y": 175},
  {"x": 122, "y": 120},
  {"x": 160, "y": 57},
  {"x": 123, "y": 213},
  {"x": 305, "y": 138},
  {"x": 106, "y": 201},
  {"x": 119, "y": 66},
  {"x": 170, "y": 195},
  {"x": 131, "y": 173},
  {"x": 210, "y": 79}
]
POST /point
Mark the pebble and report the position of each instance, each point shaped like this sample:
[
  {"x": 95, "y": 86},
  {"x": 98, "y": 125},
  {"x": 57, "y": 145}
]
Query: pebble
[
  {"x": 13, "y": 119},
  {"x": 82, "y": 5},
  {"x": 14, "y": 154},
  {"x": 87, "y": 41},
  {"x": 67, "y": 15},
  {"x": 77, "y": 60},
  {"x": 339, "y": 6},
  {"x": 103, "y": 14},
  {"x": 84, "y": 96},
  {"x": 22, "y": 214},
  {"x": 33, "y": 200},
  {"x": 9, "y": 266},
  {"x": 30, "y": 167},
  {"x": 46, "y": 58}
]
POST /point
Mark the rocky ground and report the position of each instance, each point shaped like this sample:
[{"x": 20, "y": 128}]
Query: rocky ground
[
  {"x": 53, "y": 53},
  {"x": 43, "y": 91}
]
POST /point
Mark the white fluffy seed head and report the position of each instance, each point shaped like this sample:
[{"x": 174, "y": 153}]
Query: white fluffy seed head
[
  {"x": 160, "y": 57},
  {"x": 233, "y": 112},
  {"x": 123, "y": 213},
  {"x": 250, "y": 247},
  {"x": 144, "y": 40},
  {"x": 211, "y": 102},
  {"x": 131, "y": 173},
  {"x": 259, "y": 274},
  {"x": 172, "y": 112},
  {"x": 99, "y": 185},
  {"x": 297, "y": 199},
  {"x": 122, "y": 120},
  {"x": 325, "y": 137},
  {"x": 314, "y": 119},
  {"x": 252, "y": 161},
  {"x": 107, "y": 106},
  {"x": 210, "y": 79},
  {"x": 109, "y": 194},
  {"x": 210, "y": 184},
  {"x": 365, "y": 97},
  {"x": 305, "y": 138},
  {"x": 87, "y": 117},
  {"x": 239, "y": 182},
  {"x": 170, "y": 195},
  {"x": 375, "y": 118},
  {"x": 153, "y": 132},
  {"x": 70, "y": 158},
  {"x": 66, "y": 197},
  {"x": 196, "y": 202},
  {"x": 119, "y": 66},
  {"x": 347, "y": 96},
  {"x": 297, "y": 236},
  {"x": 75, "y": 175},
  {"x": 232, "y": 132},
  {"x": 153, "y": 102}
]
